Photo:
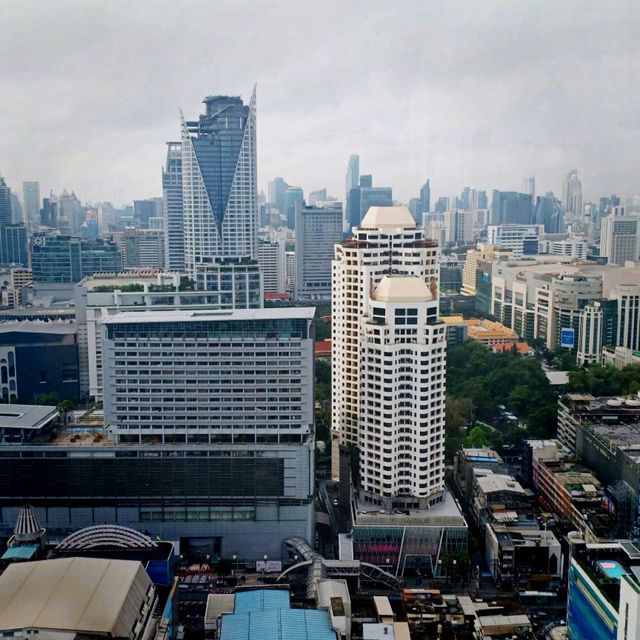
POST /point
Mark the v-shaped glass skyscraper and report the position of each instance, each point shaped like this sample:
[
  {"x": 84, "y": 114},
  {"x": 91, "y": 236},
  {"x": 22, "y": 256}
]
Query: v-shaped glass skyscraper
[{"x": 219, "y": 183}]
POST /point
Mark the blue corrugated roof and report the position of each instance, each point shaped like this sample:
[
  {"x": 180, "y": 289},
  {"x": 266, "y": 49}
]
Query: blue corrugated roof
[
  {"x": 261, "y": 600},
  {"x": 265, "y": 615},
  {"x": 20, "y": 553}
]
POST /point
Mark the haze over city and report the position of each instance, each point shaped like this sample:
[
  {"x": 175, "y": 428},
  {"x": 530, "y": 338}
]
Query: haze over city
[{"x": 477, "y": 94}]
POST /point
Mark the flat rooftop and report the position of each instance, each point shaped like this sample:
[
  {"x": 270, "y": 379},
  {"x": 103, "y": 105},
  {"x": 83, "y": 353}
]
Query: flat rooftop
[
  {"x": 26, "y": 416},
  {"x": 273, "y": 313},
  {"x": 444, "y": 514}
]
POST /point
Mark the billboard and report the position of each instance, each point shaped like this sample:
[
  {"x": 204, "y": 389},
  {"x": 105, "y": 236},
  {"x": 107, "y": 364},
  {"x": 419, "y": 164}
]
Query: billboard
[{"x": 567, "y": 338}]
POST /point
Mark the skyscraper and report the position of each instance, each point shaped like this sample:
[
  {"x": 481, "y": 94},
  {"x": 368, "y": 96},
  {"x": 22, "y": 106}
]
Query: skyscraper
[
  {"x": 293, "y": 200},
  {"x": 220, "y": 195},
  {"x": 510, "y": 207},
  {"x": 388, "y": 273},
  {"x": 549, "y": 213},
  {"x": 31, "y": 203},
  {"x": 277, "y": 190},
  {"x": 172, "y": 208},
  {"x": 529, "y": 187},
  {"x": 572, "y": 193},
  {"x": 318, "y": 229},
  {"x": 425, "y": 199},
  {"x": 5, "y": 203},
  {"x": 620, "y": 237},
  {"x": 352, "y": 180}
]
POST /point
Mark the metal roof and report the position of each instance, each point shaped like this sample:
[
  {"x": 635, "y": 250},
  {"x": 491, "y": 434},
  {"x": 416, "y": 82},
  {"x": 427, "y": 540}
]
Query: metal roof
[
  {"x": 25, "y": 416},
  {"x": 271, "y": 313},
  {"x": 20, "y": 553},
  {"x": 106, "y": 536},
  {"x": 265, "y": 614}
]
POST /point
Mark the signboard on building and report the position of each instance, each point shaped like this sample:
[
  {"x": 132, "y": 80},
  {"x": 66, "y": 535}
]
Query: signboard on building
[
  {"x": 567, "y": 338},
  {"x": 270, "y": 566}
]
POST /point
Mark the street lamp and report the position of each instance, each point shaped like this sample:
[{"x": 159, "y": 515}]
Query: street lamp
[
  {"x": 455, "y": 562},
  {"x": 265, "y": 557},
  {"x": 235, "y": 561}
]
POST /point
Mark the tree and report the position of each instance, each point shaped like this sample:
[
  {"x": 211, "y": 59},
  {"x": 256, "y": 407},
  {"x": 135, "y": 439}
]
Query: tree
[
  {"x": 63, "y": 409},
  {"x": 543, "y": 422}
]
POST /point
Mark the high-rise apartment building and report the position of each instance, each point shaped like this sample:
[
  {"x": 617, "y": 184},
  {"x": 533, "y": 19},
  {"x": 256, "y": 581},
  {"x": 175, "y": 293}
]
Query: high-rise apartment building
[
  {"x": 220, "y": 195},
  {"x": 572, "y": 194},
  {"x": 31, "y": 203},
  {"x": 620, "y": 237},
  {"x": 318, "y": 229},
  {"x": 173, "y": 217},
  {"x": 459, "y": 226},
  {"x": 388, "y": 244},
  {"x": 402, "y": 392},
  {"x": 272, "y": 261}
]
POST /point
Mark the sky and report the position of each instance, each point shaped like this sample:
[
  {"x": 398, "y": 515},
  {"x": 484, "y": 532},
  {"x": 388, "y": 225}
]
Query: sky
[{"x": 477, "y": 93}]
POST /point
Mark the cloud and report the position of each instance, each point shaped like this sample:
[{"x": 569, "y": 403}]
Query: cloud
[{"x": 478, "y": 94}]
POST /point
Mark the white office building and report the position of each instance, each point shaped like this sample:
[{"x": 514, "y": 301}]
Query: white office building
[
  {"x": 620, "y": 237},
  {"x": 628, "y": 325},
  {"x": 386, "y": 247},
  {"x": 572, "y": 247},
  {"x": 272, "y": 261},
  {"x": 459, "y": 226},
  {"x": 590, "y": 334},
  {"x": 102, "y": 296},
  {"x": 521, "y": 239},
  {"x": 318, "y": 229}
]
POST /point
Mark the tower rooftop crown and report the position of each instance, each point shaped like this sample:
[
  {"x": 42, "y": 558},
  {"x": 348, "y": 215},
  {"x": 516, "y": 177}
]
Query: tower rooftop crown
[
  {"x": 392, "y": 217},
  {"x": 402, "y": 289}
]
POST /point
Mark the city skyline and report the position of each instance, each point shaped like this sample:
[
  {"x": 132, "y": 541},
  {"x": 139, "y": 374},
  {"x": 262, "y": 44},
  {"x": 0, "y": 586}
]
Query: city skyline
[{"x": 488, "y": 98}]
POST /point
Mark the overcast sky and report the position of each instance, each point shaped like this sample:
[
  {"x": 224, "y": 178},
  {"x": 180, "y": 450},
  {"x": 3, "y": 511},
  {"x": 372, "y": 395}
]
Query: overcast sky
[{"x": 466, "y": 93}]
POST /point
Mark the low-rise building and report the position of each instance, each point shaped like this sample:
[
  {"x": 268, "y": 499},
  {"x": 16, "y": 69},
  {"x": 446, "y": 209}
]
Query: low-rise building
[
  {"x": 575, "y": 495},
  {"x": 497, "y": 493},
  {"x": 488, "y": 332},
  {"x": 77, "y": 598},
  {"x": 620, "y": 357},
  {"x": 515, "y": 553}
]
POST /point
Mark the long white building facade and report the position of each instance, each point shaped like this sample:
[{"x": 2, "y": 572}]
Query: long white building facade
[{"x": 388, "y": 250}]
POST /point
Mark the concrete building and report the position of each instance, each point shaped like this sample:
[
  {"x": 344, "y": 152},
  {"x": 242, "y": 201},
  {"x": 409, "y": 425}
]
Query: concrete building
[
  {"x": 520, "y": 239},
  {"x": 143, "y": 248},
  {"x": 459, "y": 226},
  {"x": 199, "y": 446},
  {"x": 620, "y": 357},
  {"x": 590, "y": 334},
  {"x": 318, "y": 229},
  {"x": 386, "y": 243},
  {"x": 607, "y": 438},
  {"x": 486, "y": 253},
  {"x": 75, "y": 598},
  {"x": 573, "y": 494},
  {"x": 101, "y": 296},
  {"x": 627, "y": 297},
  {"x": 572, "y": 247},
  {"x": 273, "y": 266},
  {"x": 515, "y": 553},
  {"x": 172, "y": 208},
  {"x": 401, "y": 450},
  {"x": 541, "y": 297},
  {"x": 620, "y": 237}
]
